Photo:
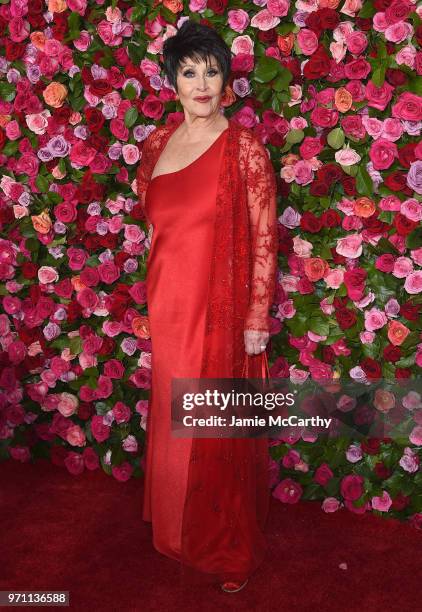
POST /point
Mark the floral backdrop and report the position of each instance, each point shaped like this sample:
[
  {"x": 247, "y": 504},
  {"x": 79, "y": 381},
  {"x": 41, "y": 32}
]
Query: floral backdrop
[{"x": 333, "y": 88}]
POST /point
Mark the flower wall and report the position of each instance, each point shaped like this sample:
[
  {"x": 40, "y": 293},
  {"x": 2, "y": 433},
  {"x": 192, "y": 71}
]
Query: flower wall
[{"x": 333, "y": 88}]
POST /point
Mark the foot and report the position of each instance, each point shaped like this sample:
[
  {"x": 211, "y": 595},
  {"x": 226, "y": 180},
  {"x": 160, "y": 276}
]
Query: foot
[{"x": 233, "y": 586}]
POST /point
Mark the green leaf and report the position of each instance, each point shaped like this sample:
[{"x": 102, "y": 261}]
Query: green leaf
[
  {"x": 266, "y": 69},
  {"x": 336, "y": 138},
  {"x": 368, "y": 10},
  {"x": 7, "y": 91},
  {"x": 42, "y": 183},
  {"x": 129, "y": 92},
  {"x": 131, "y": 115},
  {"x": 414, "y": 239},
  {"x": 295, "y": 136},
  {"x": 364, "y": 184},
  {"x": 319, "y": 326}
]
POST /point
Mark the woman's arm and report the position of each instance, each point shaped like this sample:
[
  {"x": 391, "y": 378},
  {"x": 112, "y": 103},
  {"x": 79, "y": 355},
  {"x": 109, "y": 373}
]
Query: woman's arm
[{"x": 262, "y": 207}]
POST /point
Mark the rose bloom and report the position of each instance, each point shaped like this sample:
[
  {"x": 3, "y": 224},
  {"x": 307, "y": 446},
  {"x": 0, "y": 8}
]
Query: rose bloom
[
  {"x": 384, "y": 400},
  {"x": 412, "y": 209},
  {"x": 55, "y": 94},
  {"x": 307, "y": 41},
  {"x": 374, "y": 319},
  {"x": 413, "y": 282},
  {"x": 397, "y": 332},
  {"x": 350, "y": 246},
  {"x": 403, "y": 266},
  {"x": 364, "y": 207},
  {"x": 347, "y": 157},
  {"x": 408, "y": 107},
  {"x": 383, "y": 153}
]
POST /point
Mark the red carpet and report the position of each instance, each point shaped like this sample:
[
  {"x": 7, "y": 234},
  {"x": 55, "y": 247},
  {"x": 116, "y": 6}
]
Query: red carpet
[{"x": 85, "y": 534}]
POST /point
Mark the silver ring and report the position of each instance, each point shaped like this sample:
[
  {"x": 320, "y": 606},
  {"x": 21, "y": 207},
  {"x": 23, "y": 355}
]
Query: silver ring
[{"x": 263, "y": 346}]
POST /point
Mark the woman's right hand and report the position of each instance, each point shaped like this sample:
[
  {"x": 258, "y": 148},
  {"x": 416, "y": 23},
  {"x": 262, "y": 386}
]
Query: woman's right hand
[{"x": 255, "y": 341}]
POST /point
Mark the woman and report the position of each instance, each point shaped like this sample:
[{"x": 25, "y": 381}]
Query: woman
[{"x": 208, "y": 193}]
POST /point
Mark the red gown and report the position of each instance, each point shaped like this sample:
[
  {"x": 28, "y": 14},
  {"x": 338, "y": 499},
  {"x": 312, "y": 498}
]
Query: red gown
[{"x": 210, "y": 275}]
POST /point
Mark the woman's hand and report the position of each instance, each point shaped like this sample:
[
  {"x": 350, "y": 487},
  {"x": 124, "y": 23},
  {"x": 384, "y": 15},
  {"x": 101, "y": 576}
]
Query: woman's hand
[{"x": 255, "y": 341}]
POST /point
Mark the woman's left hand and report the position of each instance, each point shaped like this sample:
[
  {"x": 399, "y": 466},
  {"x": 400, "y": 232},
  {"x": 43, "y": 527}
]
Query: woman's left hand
[{"x": 255, "y": 341}]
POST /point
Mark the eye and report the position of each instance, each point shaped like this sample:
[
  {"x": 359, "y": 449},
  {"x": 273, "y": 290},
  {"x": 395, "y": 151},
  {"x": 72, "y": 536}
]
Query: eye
[{"x": 211, "y": 71}]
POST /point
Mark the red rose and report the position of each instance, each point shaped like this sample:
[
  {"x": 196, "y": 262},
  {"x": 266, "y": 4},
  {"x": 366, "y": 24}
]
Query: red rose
[
  {"x": 392, "y": 353},
  {"x": 328, "y": 355},
  {"x": 100, "y": 87},
  {"x": 268, "y": 37},
  {"x": 385, "y": 262},
  {"x": 371, "y": 368},
  {"x": 329, "y": 174},
  {"x": 407, "y": 154},
  {"x": 352, "y": 487},
  {"x": 381, "y": 5},
  {"x": 313, "y": 22},
  {"x": 400, "y": 502},
  {"x": 318, "y": 64},
  {"x": 13, "y": 50},
  {"x": 404, "y": 225},
  {"x": 323, "y": 474},
  {"x": 418, "y": 34},
  {"x": 397, "y": 11},
  {"x": 410, "y": 311},
  {"x": 375, "y": 226},
  {"x": 29, "y": 269},
  {"x": 382, "y": 471},
  {"x": 217, "y": 6},
  {"x": 345, "y": 318},
  {"x": 349, "y": 185},
  {"x": 402, "y": 373},
  {"x": 329, "y": 18},
  {"x": 95, "y": 119},
  {"x": 355, "y": 283},
  {"x": 35, "y": 7},
  {"x": 396, "y": 77},
  {"x": 396, "y": 181},
  {"x": 363, "y": 24},
  {"x": 371, "y": 446},
  {"x": 319, "y": 189},
  {"x": 330, "y": 218},
  {"x": 310, "y": 223}
]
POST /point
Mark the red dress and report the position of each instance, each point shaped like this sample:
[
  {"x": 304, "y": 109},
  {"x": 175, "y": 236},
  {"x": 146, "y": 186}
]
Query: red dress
[{"x": 210, "y": 275}]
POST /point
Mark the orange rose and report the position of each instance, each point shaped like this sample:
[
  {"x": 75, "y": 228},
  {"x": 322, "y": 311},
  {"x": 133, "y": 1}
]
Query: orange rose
[
  {"x": 77, "y": 284},
  {"x": 384, "y": 400},
  {"x": 343, "y": 100},
  {"x": 315, "y": 268},
  {"x": 397, "y": 332},
  {"x": 57, "y": 6},
  {"x": 175, "y": 6},
  {"x": 55, "y": 94},
  {"x": 364, "y": 207},
  {"x": 331, "y": 4},
  {"x": 42, "y": 223},
  {"x": 285, "y": 43},
  {"x": 140, "y": 327},
  {"x": 38, "y": 40},
  {"x": 228, "y": 97},
  {"x": 4, "y": 120}
]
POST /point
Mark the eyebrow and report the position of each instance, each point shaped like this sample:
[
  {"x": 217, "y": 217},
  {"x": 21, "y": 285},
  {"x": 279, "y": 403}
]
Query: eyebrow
[{"x": 213, "y": 65}]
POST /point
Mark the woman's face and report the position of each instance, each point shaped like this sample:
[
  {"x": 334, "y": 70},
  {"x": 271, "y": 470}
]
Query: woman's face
[{"x": 200, "y": 80}]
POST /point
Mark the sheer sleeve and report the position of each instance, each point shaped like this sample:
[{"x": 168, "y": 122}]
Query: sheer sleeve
[
  {"x": 144, "y": 171},
  {"x": 262, "y": 208}
]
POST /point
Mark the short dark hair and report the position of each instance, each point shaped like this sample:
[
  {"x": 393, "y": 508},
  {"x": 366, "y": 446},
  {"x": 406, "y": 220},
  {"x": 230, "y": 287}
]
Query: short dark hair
[{"x": 194, "y": 40}]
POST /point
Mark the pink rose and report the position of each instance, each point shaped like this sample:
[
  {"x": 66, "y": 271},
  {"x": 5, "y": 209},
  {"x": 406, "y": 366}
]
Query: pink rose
[
  {"x": 242, "y": 45},
  {"x": 398, "y": 32},
  {"x": 408, "y": 107},
  {"x": 310, "y": 147},
  {"x": 330, "y": 504},
  {"x": 357, "y": 69},
  {"x": 392, "y": 129},
  {"x": 288, "y": 491},
  {"x": 307, "y": 41},
  {"x": 108, "y": 272},
  {"x": 391, "y": 202},
  {"x": 68, "y": 404},
  {"x": 383, "y": 153},
  {"x": 99, "y": 429},
  {"x": 264, "y": 20},
  {"x": 383, "y": 503},
  {"x": 357, "y": 89},
  {"x": 413, "y": 282},
  {"x": 74, "y": 463},
  {"x": 47, "y": 275},
  {"x": 351, "y": 7},
  {"x": 87, "y": 298},
  {"x": 238, "y": 20},
  {"x": 75, "y": 436},
  {"x": 303, "y": 173},
  {"x": 356, "y": 42},
  {"x": 374, "y": 319},
  {"x": 352, "y": 487},
  {"x": 350, "y": 246},
  {"x": 77, "y": 258},
  {"x": 412, "y": 209},
  {"x": 378, "y": 97},
  {"x": 324, "y": 117},
  {"x": 122, "y": 472},
  {"x": 415, "y": 436},
  {"x": 403, "y": 266},
  {"x": 279, "y": 8},
  {"x": 406, "y": 56}
]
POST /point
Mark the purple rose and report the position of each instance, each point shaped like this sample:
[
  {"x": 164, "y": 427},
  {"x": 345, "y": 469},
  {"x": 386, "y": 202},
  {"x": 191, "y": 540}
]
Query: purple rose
[{"x": 414, "y": 176}]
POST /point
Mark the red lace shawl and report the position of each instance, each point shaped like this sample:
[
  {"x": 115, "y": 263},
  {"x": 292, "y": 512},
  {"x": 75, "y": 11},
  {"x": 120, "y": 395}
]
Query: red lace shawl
[{"x": 227, "y": 496}]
